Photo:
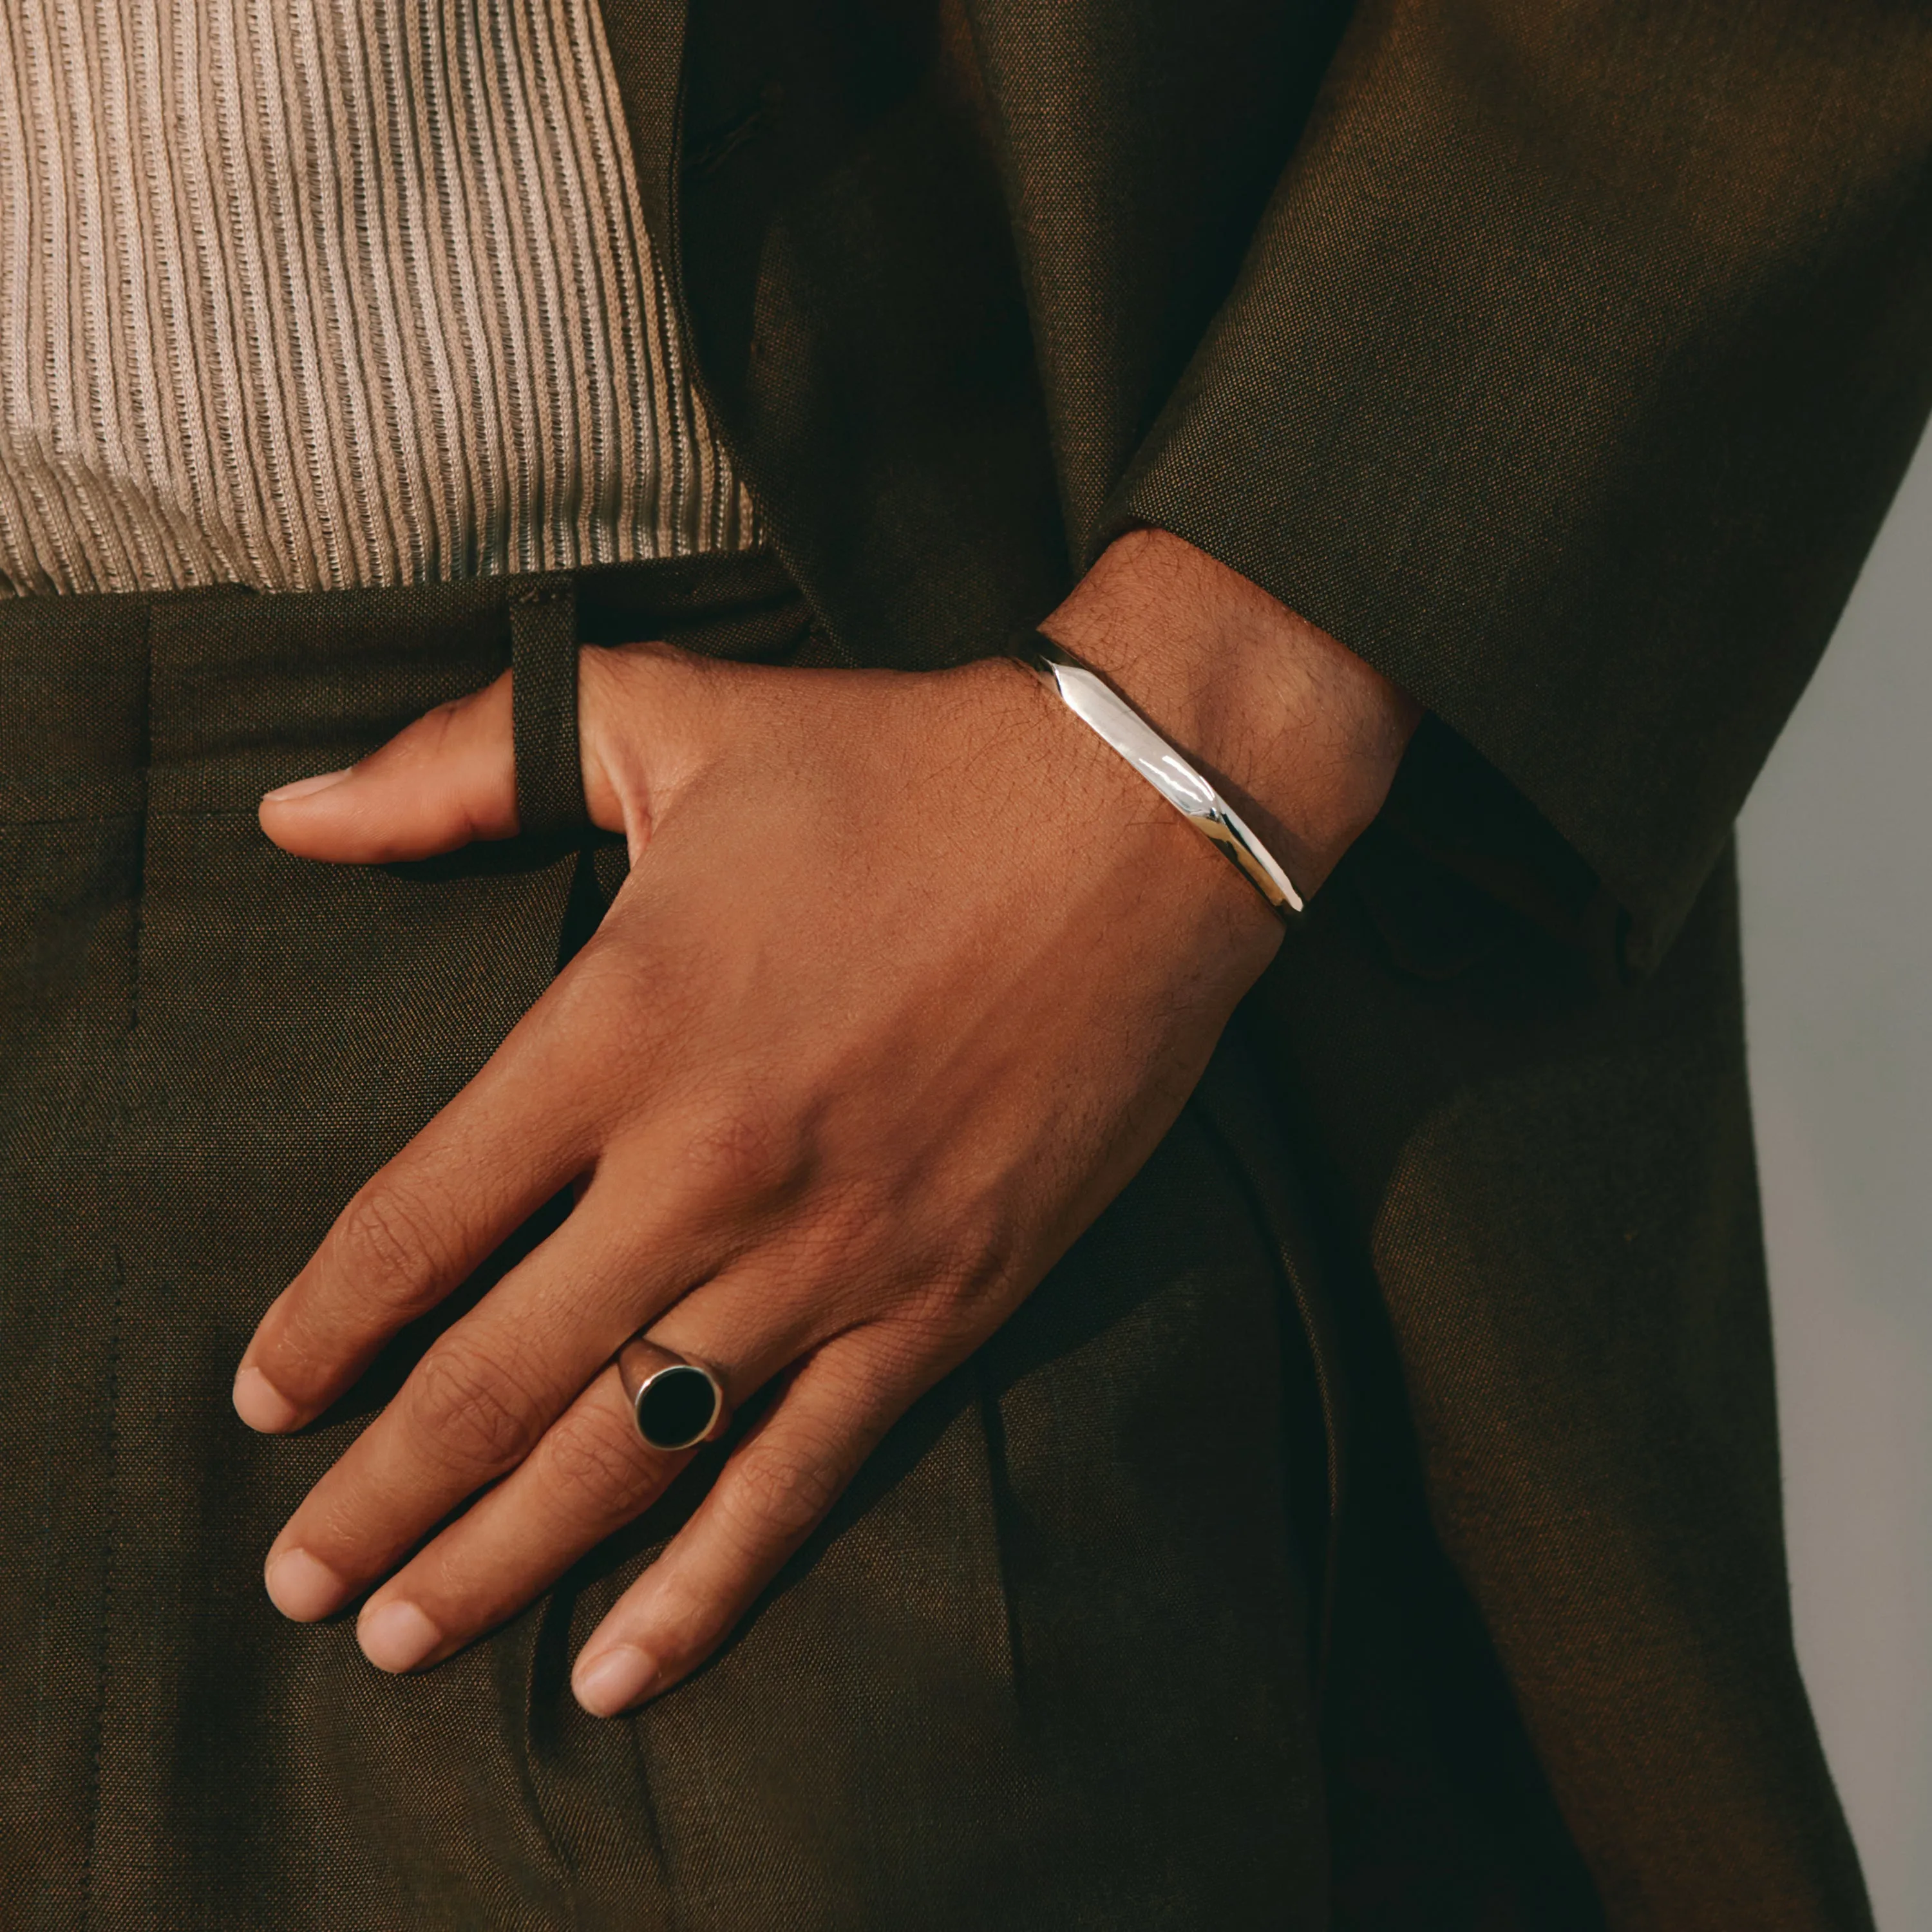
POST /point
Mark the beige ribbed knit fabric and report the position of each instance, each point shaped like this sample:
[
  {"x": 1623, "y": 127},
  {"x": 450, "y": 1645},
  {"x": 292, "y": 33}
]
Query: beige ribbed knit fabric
[{"x": 317, "y": 294}]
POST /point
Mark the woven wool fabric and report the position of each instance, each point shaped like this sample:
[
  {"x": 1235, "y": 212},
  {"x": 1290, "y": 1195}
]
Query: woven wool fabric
[
  {"x": 1047, "y": 1665},
  {"x": 1558, "y": 361},
  {"x": 331, "y": 295}
]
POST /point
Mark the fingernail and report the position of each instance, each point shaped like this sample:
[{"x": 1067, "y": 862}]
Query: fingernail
[
  {"x": 612, "y": 1681},
  {"x": 396, "y": 1636},
  {"x": 262, "y": 1406},
  {"x": 302, "y": 1587},
  {"x": 306, "y": 788}
]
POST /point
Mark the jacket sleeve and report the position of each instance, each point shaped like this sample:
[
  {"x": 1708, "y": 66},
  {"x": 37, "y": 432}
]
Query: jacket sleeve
[{"x": 1566, "y": 379}]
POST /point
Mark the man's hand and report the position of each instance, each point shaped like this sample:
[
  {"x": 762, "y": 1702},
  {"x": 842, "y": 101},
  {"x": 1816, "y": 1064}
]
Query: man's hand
[{"x": 910, "y": 975}]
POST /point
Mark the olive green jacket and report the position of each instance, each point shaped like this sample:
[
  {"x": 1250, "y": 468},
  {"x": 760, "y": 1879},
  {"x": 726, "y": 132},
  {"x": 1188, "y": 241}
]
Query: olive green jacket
[{"x": 1561, "y": 359}]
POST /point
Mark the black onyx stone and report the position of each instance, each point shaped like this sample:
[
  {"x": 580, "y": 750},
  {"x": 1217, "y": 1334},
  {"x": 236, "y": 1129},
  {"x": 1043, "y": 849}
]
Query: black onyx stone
[{"x": 676, "y": 1408}]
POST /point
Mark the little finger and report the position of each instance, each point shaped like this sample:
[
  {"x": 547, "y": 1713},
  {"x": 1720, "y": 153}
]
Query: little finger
[{"x": 777, "y": 1488}]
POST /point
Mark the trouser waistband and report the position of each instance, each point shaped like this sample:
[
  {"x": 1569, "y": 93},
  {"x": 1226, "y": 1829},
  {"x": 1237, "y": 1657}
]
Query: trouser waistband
[{"x": 202, "y": 700}]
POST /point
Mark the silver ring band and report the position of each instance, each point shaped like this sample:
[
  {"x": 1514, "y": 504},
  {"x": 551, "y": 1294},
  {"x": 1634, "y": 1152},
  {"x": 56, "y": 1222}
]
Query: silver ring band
[
  {"x": 677, "y": 1403},
  {"x": 1087, "y": 694}
]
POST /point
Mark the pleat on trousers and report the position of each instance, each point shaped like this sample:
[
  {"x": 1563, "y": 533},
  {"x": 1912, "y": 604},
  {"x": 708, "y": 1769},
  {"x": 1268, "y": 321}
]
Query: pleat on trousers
[{"x": 1051, "y": 1663}]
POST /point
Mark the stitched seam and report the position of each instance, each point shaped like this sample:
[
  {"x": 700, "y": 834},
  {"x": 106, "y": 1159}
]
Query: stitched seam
[
  {"x": 110, "y": 1551},
  {"x": 76, "y": 818},
  {"x": 166, "y": 814},
  {"x": 111, "y": 1542}
]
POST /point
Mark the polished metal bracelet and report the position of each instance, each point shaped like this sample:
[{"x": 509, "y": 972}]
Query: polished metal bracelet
[{"x": 1095, "y": 702}]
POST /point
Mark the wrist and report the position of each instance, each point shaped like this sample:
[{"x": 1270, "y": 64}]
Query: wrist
[{"x": 1301, "y": 735}]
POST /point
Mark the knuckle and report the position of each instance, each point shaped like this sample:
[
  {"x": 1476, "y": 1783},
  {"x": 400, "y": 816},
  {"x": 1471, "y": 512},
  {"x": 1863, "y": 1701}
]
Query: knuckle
[
  {"x": 781, "y": 1492},
  {"x": 602, "y": 1023},
  {"x": 742, "y": 1152},
  {"x": 596, "y": 1463},
  {"x": 944, "y": 1311},
  {"x": 843, "y": 1229},
  {"x": 958, "y": 1287},
  {"x": 385, "y": 1245},
  {"x": 473, "y": 1409},
  {"x": 850, "y": 1244}
]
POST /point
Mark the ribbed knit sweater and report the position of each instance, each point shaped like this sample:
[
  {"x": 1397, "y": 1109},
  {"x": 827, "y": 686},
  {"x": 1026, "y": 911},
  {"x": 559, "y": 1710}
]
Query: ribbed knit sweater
[{"x": 321, "y": 294}]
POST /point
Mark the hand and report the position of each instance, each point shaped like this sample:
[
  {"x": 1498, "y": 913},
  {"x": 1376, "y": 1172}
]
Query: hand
[{"x": 910, "y": 975}]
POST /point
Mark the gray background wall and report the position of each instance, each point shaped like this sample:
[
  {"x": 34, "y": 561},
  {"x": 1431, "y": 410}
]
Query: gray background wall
[{"x": 1837, "y": 852}]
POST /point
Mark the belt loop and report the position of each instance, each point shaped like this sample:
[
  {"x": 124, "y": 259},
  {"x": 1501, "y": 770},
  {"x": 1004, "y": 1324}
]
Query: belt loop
[{"x": 543, "y": 692}]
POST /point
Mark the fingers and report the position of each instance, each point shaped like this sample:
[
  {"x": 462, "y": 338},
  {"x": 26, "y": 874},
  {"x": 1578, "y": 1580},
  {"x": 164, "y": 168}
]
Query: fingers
[
  {"x": 486, "y": 1394},
  {"x": 518, "y": 1133},
  {"x": 539, "y": 1116},
  {"x": 589, "y": 1475},
  {"x": 451, "y": 777},
  {"x": 777, "y": 1488},
  {"x": 533, "y": 1121},
  {"x": 448, "y": 778}
]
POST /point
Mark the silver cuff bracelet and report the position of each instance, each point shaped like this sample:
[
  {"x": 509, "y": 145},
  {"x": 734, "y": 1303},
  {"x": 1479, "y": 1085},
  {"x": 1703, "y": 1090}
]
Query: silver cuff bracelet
[{"x": 1095, "y": 702}]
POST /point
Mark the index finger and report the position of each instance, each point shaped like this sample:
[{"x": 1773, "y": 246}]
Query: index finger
[{"x": 424, "y": 1222}]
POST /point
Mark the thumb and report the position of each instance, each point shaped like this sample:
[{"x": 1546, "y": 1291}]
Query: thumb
[{"x": 447, "y": 779}]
